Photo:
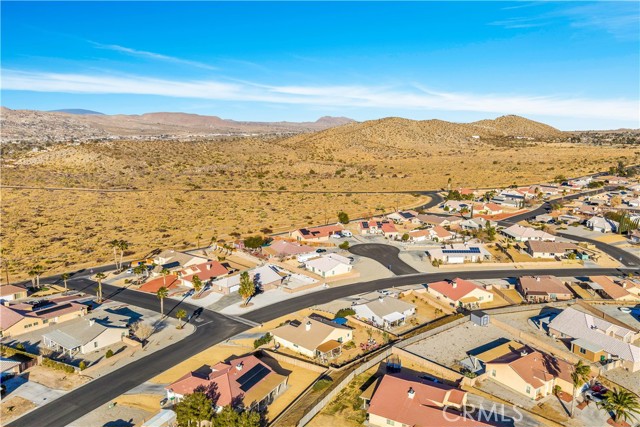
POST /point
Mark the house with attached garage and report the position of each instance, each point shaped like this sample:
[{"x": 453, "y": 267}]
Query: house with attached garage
[
  {"x": 476, "y": 223},
  {"x": 444, "y": 221},
  {"x": 206, "y": 272},
  {"x": 317, "y": 234},
  {"x": 520, "y": 233},
  {"x": 28, "y": 316},
  {"x": 608, "y": 289},
  {"x": 457, "y": 206},
  {"x": 329, "y": 265},
  {"x": 437, "y": 234},
  {"x": 601, "y": 224},
  {"x": 83, "y": 337},
  {"x": 242, "y": 382},
  {"x": 538, "y": 249},
  {"x": 385, "y": 312},
  {"x": 460, "y": 293},
  {"x": 402, "y": 216},
  {"x": 265, "y": 277},
  {"x": 313, "y": 337},
  {"x": 384, "y": 227},
  {"x": 597, "y": 338},
  {"x": 459, "y": 253},
  {"x": 531, "y": 373},
  {"x": 283, "y": 249},
  {"x": 543, "y": 289},
  {"x": 175, "y": 260}
]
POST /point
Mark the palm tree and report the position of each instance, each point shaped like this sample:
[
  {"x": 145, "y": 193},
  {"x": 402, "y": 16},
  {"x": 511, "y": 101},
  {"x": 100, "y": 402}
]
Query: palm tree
[
  {"x": 181, "y": 314},
  {"x": 65, "y": 277},
  {"x": 580, "y": 375},
  {"x": 197, "y": 283},
  {"x": 115, "y": 244},
  {"x": 162, "y": 294},
  {"x": 99, "y": 278},
  {"x": 5, "y": 262},
  {"x": 35, "y": 272},
  {"x": 622, "y": 403},
  {"x": 198, "y": 237},
  {"x": 123, "y": 245},
  {"x": 165, "y": 272},
  {"x": 139, "y": 271}
]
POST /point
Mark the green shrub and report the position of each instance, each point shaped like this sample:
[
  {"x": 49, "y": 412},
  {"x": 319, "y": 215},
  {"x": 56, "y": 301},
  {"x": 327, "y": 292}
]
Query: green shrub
[
  {"x": 20, "y": 346},
  {"x": 344, "y": 245},
  {"x": 321, "y": 384},
  {"x": 109, "y": 353},
  {"x": 83, "y": 365},
  {"x": 265, "y": 339},
  {"x": 344, "y": 312}
]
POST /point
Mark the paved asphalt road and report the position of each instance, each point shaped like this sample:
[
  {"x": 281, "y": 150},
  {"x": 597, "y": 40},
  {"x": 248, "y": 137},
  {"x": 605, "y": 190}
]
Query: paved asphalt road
[
  {"x": 211, "y": 328},
  {"x": 386, "y": 255},
  {"x": 320, "y": 297}
]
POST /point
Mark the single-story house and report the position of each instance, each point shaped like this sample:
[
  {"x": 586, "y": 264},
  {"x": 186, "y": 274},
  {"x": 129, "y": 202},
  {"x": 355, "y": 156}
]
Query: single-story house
[
  {"x": 491, "y": 208},
  {"x": 398, "y": 400},
  {"x": 544, "y": 218},
  {"x": 175, "y": 260},
  {"x": 10, "y": 367},
  {"x": 531, "y": 373},
  {"x": 402, "y": 216},
  {"x": 587, "y": 209},
  {"x": 459, "y": 253},
  {"x": 608, "y": 289},
  {"x": 601, "y": 224},
  {"x": 460, "y": 293},
  {"x": 28, "y": 316},
  {"x": 457, "y": 206},
  {"x": 265, "y": 277},
  {"x": 207, "y": 271},
  {"x": 569, "y": 219},
  {"x": 386, "y": 228},
  {"x": 538, "y": 249},
  {"x": 596, "y": 339},
  {"x": 169, "y": 281},
  {"x": 385, "y": 312},
  {"x": 284, "y": 249},
  {"x": 476, "y": 223},
  {"x": 314, "y": 337},
  {"x": 244, "y": 382},
  {"x": 329, "y": 265},
  {"x": 12, "y": 292},
  {"x": 444, "y": 221},
  {"x": 543, "y": 289},
  {"x": 316, "y": 234},
  {"x": 520, "y": 233},
  {"x": 83, "y": 337}
]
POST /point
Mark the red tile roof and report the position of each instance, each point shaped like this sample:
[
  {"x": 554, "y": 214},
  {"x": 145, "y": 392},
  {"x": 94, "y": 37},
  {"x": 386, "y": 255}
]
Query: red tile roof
[
  {"x": 6, "y": 290},
  {"x": 204, "y": 271},
  {"x": 537, "y": 368},
  {"x": 425, "y": 409},
  {"x": 152, "y": 286},
  {"x": 455, "y": 289},
  {"x": 612, "y": 289},
  {"x": 224, "y": 376}
]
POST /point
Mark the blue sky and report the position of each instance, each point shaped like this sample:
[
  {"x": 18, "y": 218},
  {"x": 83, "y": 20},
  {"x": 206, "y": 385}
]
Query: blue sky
[{"x": 574, "y": 65}]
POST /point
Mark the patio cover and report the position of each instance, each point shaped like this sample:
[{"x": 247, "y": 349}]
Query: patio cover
[{"x": 392, "y": 317}]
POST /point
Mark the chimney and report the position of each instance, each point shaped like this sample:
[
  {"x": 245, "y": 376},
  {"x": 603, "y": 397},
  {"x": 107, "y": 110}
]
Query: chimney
[
  {"x": 307, "y": 327},
  {"x": 454, "y": 284},
  {"x": 538, "y": 279},
  {"x": 381, "y": 298},
  {"x": 411, "y": 393},
  {"x": 92, "y": 321},
  {"x": 239, "y": 366},
  {"x": 523, "y": 353},
  {"x": 208, "y": 266}
]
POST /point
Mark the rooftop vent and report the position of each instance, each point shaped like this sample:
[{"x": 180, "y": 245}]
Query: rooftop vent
[
  {"x": 411, "y": 393},
  {"x": 239, "y": 366}
]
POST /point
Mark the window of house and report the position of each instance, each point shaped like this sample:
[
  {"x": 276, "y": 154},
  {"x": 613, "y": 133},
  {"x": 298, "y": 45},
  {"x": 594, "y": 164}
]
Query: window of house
[
  {"x": 390, "y": 422},
  {"x": 528, "y": 390},
  {"x": 583, "y": 351},
  {"x": 493, "y": 372},
  {"x": 95, "y": 344},
  {"x": 45, "y": 321}
]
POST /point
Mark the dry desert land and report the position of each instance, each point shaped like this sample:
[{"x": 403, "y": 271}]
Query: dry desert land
[{"x": 185, "y": 193}]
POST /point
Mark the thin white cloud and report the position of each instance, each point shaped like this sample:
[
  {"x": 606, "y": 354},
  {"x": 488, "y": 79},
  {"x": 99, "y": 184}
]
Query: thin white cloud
[
  {"x": 415, "y": 97},
  {"x": 152, "y": 55}
]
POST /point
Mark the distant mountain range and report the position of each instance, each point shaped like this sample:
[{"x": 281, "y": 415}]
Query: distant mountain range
[
  {"x": 85, "y": 125},
  {"x": 78, "y": 111}
]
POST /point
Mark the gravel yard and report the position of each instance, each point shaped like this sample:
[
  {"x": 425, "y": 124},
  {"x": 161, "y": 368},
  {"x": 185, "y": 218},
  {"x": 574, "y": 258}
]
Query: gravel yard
[{"x": 449, "y": 347}]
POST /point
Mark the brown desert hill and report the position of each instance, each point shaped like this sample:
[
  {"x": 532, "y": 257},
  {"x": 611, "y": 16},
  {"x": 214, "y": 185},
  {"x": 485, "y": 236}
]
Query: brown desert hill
[
  {"x": 31, "y": 125},
  {"x": 405, "y": 134},
  {"x": 518, "y": 126}
]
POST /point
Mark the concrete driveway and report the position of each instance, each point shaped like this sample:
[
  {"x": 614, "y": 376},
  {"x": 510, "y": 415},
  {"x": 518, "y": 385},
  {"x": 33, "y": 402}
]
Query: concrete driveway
[{"x": 35, "y": 392}]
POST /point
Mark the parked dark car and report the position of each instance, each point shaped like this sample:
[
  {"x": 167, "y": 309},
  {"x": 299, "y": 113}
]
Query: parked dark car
[{"x": 319, "y": 251}]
